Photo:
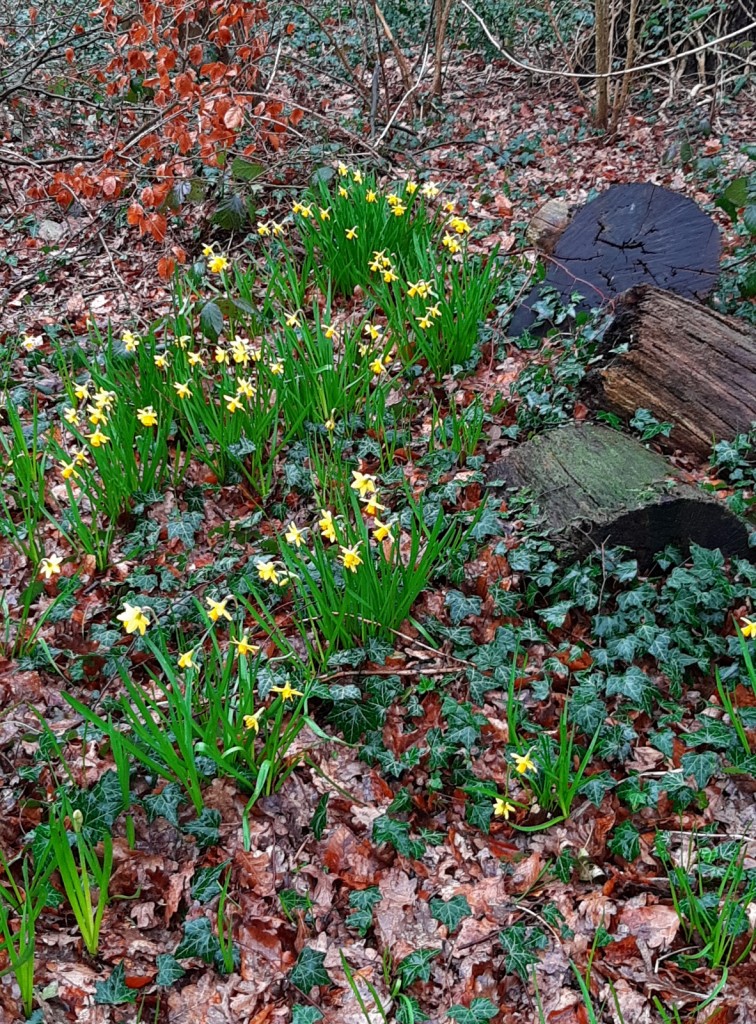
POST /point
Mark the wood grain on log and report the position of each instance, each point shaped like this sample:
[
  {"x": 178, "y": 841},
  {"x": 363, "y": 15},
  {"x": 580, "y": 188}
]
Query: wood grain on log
[
  {"x": 596, "y": 486},
  {"x": 686, "y": 363},
  {"x": 630, "y": 235}
]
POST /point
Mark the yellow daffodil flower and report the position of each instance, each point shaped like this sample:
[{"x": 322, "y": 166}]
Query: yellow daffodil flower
[
  {"x": 429, "y": 190},
  {"x": 244, "y": 647},
  {"x": 363, "y": 482},
  {"x": 376, "y": 264},
  {"x": 208, "y": 251},
  {"x": 294, "y": 535},
  {"x": 30, "y": 342},
  {"x": 357, "y": 177},
  {"x": 418, "y": 288},
  {"x": 748, "y": 628},
  {"x": 217, "y": 264},
  {"x": 244, "y": 386},
  {"x": 104, "y": 399},
  {"x": 253, "y": 721},
  {"x": 424, "y": 322},
  {"x": 96, "y": 416},
  {"x": 372, "y": 505},
  {"x": 343, "y": 193},
  {"x": 460, "y": 225},
  {"x": 186, "y": 660},
  {"x": 182, "y": 390},
  {"x": 433, "y": 311},
  {"x": 239, "y": 352},
  {"x": 327, "y": 526},
  {"x": 81, "y": 457},
  {"x": 292, "y": 320},
  {"x": 373, "y": 331},
  {"x": 267, "y": 572},
  {"x": 502, "y": 808},
  {"x": 449, "y": 207},
  {"x": 330, "y": 423},
  {"x": 82, "y": 391},
  {"x": 217, "y": 609},
  {"x": 221, "y": 355},
  {"x": 377, "y": 367},
  {"x": 97, "y": 438},
  {"x": 450, "y": 243},
  {"x": 350, "y": 557},
  {"x": 67, "y": 470},
  {"x": 389, "y": 276},
  {"x": 147, "y": 416},
  {"x": 161, "y": 361},
  {"x": 263, "y": 228},
  {"x": 277, "y": 368},
  {"x": 278, "y": 229},
  {"x": 324, "y": 213},
  {"x": 399, "y": 210},
  {"x": 410, "y": 188},
  {"x": 133, "y": 618},
  {"x": 393, "y": 199},
  {"x": 329, "y": 332},
  {"x": 523, "y": 763},
  {"x": 287, "y": 691},
  {"x": 381, "y": 531},
  {"x": 50, "y": 566},
  {"x": 343, "y": 170},
  {"x": 183, "y": 340},
  {"x": 232, "y": 403},
  {"x": 351, "y": 233},
  {"x": 371, "y": 196},
  {"x": 195, "y": 359},
  {"x": 130, "y": 341}
]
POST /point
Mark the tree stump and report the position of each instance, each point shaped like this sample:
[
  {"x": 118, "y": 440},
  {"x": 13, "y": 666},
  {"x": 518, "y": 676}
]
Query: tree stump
[
  {"x": 596, "y": 486},
  {"x": 630, "y": 235},
  {"x": 686, "y": 363}
]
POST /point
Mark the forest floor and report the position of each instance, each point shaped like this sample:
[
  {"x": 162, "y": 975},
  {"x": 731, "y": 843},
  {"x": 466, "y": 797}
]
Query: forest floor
[{"x": 380, "y": 883}]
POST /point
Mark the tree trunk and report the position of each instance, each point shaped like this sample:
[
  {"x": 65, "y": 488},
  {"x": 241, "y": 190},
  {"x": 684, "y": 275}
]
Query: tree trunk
[
  {"x": 687, "y": 364},
  {"x": 596, "y": 486}
]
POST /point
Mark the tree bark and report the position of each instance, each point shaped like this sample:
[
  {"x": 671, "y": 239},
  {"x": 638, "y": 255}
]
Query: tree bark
[
  {"x": 596, "y": 486},
  {"x": 686, "y": 363}
]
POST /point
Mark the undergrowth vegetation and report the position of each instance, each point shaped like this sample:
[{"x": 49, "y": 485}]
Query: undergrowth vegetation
[{"x": 362, "y": 588}]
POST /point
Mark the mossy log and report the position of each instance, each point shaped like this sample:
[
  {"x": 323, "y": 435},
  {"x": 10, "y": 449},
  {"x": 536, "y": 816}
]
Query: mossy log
[
  {"x": 596, "y": 486},
  {"x": 689, "y": 365}
]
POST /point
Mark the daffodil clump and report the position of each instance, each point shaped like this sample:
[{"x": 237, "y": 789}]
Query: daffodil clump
[
  {"x": 341, "y": 222},
  {"x": 210, "y": 690},
  {"x": 353, "y": 568}
]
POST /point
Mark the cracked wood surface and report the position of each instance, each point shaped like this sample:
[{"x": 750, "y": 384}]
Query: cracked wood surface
[{"x": 630, "y": 235}]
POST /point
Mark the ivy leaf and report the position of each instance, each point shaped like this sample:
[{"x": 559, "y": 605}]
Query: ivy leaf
[
  {"x": 211, "y": 320},
  {"x": 521, "y": 945},
  {"x": 100, "y": 805},
  {"x": 460, "y": 606},
  {"x": 169, "y": 970},
  {"x": 450, "y": 913},
  {"x": 165, "y": 804},
  {"x": 183, "y": 526},
  {"x": 305, "y": 1014},
  {"x": 114, "y": 991},
  {"x": 396, "y": 833},
  {"x": 477, "y": 1012},
  {"x": 205, "y": 884},
  {"x": 364, "y": 901},
  {"x": 205, "y": 828},
  {"x": 198, "y": 941},
  {"x": 625, "y": 841},
  {"x": 309, "y": 971},
  {"x": 416, "y": 966},
  {"x": 319, "y": 818},
  {"x": 478, "y": 813},
  {"x": 701, "y": 766},
  {"x": 354, "y": 718},
  {"x": 488, "y": 525}
]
